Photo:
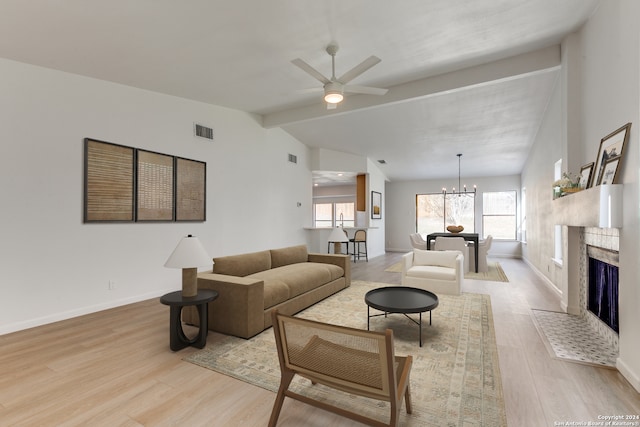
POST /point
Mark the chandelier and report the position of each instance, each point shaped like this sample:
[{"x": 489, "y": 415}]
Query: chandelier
[{"x": 461, "y": 189}]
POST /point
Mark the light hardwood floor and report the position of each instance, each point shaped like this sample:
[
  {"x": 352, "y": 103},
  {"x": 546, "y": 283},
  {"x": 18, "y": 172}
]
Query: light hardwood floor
[{"x": 114, "y": 368}]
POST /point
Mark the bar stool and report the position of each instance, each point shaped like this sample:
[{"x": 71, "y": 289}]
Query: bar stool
[{"x": 359, "y": 238}]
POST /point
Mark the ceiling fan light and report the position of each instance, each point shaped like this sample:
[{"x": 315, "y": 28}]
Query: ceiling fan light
[
  {"x": 333, "y": 92},
  {"x": 333, "y": 97}
]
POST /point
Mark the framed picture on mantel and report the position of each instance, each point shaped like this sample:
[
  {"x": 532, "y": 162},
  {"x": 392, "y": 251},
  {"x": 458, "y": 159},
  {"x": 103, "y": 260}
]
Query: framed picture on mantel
[
  {"x": 611, "y": 146},
  {"x": 376, "y": 205},
  {"x": 586, "y": 173},
  {"x": 610, "y": 171}
]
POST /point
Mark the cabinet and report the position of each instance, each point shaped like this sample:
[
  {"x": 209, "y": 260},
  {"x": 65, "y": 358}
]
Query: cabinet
[{"x": 361, "y": 193}]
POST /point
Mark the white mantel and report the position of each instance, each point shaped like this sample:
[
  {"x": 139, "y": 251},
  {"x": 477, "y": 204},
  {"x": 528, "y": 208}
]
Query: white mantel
[{"x": 599, "y": 206}]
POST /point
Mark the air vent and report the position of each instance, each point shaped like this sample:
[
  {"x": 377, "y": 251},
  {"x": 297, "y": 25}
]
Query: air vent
[
  {"x": 204, "y": 132},
  {"x": 293, "y": 158}
]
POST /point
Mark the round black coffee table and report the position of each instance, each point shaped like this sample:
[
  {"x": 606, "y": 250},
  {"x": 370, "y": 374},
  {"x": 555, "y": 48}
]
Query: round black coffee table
[{"x": 401, "y": 299}]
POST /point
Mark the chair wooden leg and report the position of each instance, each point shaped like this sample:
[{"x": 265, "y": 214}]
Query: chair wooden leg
[
  {"x": 285, "y": 381},
  {"x": 395, "y": 416},
  {"x": 407, "y": 399}
]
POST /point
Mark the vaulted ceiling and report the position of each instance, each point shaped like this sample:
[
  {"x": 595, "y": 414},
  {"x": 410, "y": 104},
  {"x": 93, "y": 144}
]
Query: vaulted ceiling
[{"x": 464, "y": 76}]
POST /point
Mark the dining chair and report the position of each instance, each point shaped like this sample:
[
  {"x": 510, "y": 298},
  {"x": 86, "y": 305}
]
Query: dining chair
[{"x": 454, "y": 244}]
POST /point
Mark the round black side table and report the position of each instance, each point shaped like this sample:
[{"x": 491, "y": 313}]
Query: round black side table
[{"x": 177, "y": 338}]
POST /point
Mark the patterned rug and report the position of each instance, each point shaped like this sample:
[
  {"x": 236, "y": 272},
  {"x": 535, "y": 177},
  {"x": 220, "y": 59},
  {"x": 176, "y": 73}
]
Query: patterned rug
[
  {"x": 455, "y": 378},
  {"x": 495, "y": 273}
]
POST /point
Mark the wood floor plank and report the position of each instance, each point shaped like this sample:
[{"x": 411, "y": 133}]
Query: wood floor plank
[
  {"x": 522, "y": 402},
  {"x": 115, "y": 368}
]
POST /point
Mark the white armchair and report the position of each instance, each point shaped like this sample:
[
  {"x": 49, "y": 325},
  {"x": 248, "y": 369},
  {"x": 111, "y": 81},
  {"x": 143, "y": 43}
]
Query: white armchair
[{"x": 440, "y": 272}]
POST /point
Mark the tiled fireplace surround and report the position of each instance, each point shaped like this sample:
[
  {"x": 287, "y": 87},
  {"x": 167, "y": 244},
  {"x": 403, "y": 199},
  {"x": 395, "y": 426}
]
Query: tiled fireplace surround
[{"x": 604, "y": 238}]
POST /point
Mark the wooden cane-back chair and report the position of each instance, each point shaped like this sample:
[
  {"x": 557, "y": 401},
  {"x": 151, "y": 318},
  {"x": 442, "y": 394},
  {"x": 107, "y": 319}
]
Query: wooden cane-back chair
[{"x": 352, "y": 360}]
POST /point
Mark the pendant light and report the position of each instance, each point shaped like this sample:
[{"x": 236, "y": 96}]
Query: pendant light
[{"x": 464, "y": 188}]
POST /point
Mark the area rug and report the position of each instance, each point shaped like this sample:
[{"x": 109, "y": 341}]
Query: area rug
[
  {"x": 571, "y": 338},
  {"x": 495, "y": 273},
  {"x": 455, "y": 379}
]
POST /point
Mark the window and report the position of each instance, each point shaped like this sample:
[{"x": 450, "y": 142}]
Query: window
[
  {"x": 434, "y": 212},
  {"x": 322, "y": 214},
  {"x": 345, "y": 214},
  {"x": 499, "y": 214},
  {"x": 557, "y": 229},
  {"x": 333, "y": 214}
]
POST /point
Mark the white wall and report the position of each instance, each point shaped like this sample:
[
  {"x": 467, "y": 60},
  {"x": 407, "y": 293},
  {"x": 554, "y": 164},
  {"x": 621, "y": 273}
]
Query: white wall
[
  {"x": 376, "y": 234},
  {"x": 610, "y": 56},
  {"x": 53, "y": 265},
  {"x": 599, "y": 93},
  {"x": 537, "y": 177},
  {"x": 401, "y": 209}
]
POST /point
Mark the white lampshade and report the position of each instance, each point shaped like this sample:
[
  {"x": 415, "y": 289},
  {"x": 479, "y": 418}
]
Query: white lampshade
[
  {"x": 338, "y": 235},
  {"x": 188, "y": 254}
]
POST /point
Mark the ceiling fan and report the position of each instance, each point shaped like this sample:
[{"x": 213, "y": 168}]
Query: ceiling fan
[{"x": 335, "y": 88}]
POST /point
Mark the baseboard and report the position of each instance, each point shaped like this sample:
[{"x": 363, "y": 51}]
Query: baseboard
[
  {"x": 491, "y": 255},
  {"x": 404, "y": 251},
  {"x": 509, "y": 256},
  {"x": 545, "y": 279},
  {"x": 56, "y": 317},
  {"x": 628, "y": 373}
]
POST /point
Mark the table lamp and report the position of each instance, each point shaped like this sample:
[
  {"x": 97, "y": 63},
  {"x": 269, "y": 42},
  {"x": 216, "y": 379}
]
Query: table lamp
[
  {"x": 189, "y": 255},
  {"x": 338, "y": 236}
]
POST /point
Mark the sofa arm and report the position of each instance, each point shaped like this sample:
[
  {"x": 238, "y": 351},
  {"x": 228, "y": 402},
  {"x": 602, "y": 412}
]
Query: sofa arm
[
  {"x": 239, "y": 308},
  {"x": 460, "y": 268},
  {"x": 342, "y": 261},
  {"x": 407, "y": 262}
]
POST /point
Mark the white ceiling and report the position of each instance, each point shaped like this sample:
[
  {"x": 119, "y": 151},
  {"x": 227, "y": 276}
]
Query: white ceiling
[{"x": 465, "y": 76}]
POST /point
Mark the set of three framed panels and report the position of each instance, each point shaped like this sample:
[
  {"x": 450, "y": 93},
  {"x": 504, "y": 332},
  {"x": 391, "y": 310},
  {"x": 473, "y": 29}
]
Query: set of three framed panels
[{"x": 126, "y": 184}]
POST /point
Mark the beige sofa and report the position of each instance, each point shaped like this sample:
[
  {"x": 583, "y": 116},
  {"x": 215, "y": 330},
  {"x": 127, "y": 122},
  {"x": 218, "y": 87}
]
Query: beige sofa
[
  {"x": 251, "y": 285},
  {"x": 440, "y": 272}
]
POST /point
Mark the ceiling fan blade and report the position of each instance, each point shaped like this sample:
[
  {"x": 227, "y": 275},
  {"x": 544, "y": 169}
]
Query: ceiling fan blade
[
  {"x": 310, "y": 70},
  {"x": 359, "y": 69},
  {"x": 310, "y": 90},
  {"x": 367, "y": 90}
]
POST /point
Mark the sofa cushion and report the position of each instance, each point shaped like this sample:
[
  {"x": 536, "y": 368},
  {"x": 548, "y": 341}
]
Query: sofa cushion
[
  {"x": 439, "y": 258},
  {"x": 283, "y": 283},
  {"x": 432, "y": 272},
  {"x": 276, "y": 291},
  {"x": 242, "y": 265},
  {"x": 290, "y": 255}
]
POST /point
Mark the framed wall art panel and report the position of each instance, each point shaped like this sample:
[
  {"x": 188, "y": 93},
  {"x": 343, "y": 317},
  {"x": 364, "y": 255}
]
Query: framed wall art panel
[
  {"x": 155, "y": 185},
  {"x": 109, "y": 181},
  {"x": 191, "y": 194},
  {"x": 376, "y": 205}
]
